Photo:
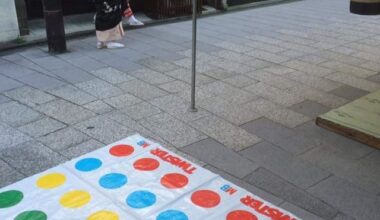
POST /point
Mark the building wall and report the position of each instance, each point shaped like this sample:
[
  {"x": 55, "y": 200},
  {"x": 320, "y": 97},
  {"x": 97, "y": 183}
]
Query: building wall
[{"x": 8, "y": 21}]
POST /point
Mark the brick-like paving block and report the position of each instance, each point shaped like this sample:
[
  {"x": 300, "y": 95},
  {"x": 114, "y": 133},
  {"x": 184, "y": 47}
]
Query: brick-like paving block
[
  {"x": 8, "y": 84},
  {"x": 225, "y": 132},
  {"x": 112, "y": 75},
  {"x": 349, "y": 92},
  {"x": 239, "y": 81},
  {"x": 297, "y": 171},
  {"x": 175, "y": 86},
  {"x": 151, "y": 76},
  {"x": 313, "y": 81},
  {"x": 122, "y": 101},
  {"x": 142, "y": 89},
  {"x": 98, "y": 107},
  {"x": 354, "y": 81},
  {"x": 29, "y": 96},
  {"x": 16, "y": 114},
  {"x": 217, "y": 155},
  {"x": 350, "y": 69},
  {"x": 8, "y": 174},
  {"x": 81, "y": 149},
  {"x": 63, "y": 139},
  {"x": 73, "y": 94},
  {"x": 141, "y": 110},
  {"x": 309, "y": 108},
  {"x": 272, "y": 79},
  {"x": 99, "y": 88},
  {"x": 10, "y": 137},
  {"x": 30, "y": 157},
  {"x": 308, "y": 68},
  {"x": 41, "y": 127},
  {"x": 348, "y": 198},
  {"x": 270, "y": 182},
  {"x": 301, "y": 213},
  {"x": 158, "y": 65}
]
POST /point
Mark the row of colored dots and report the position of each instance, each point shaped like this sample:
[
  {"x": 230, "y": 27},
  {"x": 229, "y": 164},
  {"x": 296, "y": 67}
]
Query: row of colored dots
[{"x": 91, "y": 164}]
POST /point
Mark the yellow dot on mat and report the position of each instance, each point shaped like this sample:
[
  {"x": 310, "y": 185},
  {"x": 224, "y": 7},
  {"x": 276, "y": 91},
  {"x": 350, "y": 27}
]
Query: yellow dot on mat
[
  {"x": 51, "y": 181},
  {"x": 75, "y": 199},
  {"x": 103, "y": 215}
]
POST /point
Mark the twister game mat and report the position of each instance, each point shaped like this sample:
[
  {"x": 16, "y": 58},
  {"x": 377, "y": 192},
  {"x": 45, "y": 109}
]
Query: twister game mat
[{"x": 132, "y": 179}]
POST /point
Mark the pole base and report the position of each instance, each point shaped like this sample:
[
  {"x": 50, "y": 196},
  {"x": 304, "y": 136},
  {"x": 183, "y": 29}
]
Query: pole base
[{"x": 192, "y": 109}]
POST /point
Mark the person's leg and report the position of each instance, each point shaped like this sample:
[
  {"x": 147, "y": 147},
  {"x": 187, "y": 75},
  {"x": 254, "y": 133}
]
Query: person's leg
[{"x": 132, "y": 20}]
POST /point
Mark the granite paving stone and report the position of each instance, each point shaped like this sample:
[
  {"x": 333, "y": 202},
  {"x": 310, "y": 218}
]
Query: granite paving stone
[
  {"x": 267, "y": 56},
  {"x": 218, "y": 155},
  {"x": 151, "y": 76},
  {"x": 81, "y": 149},
  {"x": 122, "y": 101},
  {"x": 30, "y": 157},
  {"x": 185, "y": 76},
  {"x": 112, "y": 75},
  {"x": 41, "y": 81},
  {"x": 142, "y": 89},
  {"x": 4, "y": 99},
  {"x": 41, "y": 127},
  {"x": 172, "y": 130},
  {"x": 175, "y": 86},
  {"x": 313, "y": 81},
  {"x": 16, "y": 114},
  {"x": 10, "y": 137},
  {"x": 8, "y": 174},
  {"x": 342, "y": 216},
  {"x": 63, "y": 139},
  {"x": 99, "y": 88},
  {"x": 277, "y": 113},
  {"x": 98, "y": 107},
  {"x": 29, "y": 96},
  {"x": 104, "y": 129},
  {"x": 354, "y": 81},
  {"x": 310, "y": 108},
  {"x": 72, "y": 74},
  {"x": 272, "y": 79},
  {"x": 313, "y": 59},
  {"x": 308, "y": 68},
  {"x": 301, "y": 213},
  {"x": 349, "y": 92},
  {"x": 297, "y": 171},
  {"x": 239, "y": 81},
  {"x": 8, "y": 83},
  {"x": 266, "y": 180},
  {"x": 349, "y": 69},
  {"x": 225, "y": 132},
  {"x": 158, "y": 65},
  {"x": 64, "y": 111},
  {"x": 73, "y": 94},
  {"x": 348, "y": 198},
  {"x": 141, "y": 110}
]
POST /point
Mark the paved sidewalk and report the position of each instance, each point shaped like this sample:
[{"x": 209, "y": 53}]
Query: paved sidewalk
[{"x": 263, "y": 76}]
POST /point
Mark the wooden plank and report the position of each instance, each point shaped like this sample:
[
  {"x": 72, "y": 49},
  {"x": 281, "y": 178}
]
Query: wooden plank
[{"x": 359, "y": 120}]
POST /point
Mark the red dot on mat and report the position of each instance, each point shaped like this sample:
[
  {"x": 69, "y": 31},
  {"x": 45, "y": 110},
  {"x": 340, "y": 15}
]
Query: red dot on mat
[
  {"x": 241, "y": 215},
  {"x": 174, "y": 180},
  {"x": 122, "y": 150},
  {"x": 205, "y": 198},
  {"x": 146, "y": 164}
]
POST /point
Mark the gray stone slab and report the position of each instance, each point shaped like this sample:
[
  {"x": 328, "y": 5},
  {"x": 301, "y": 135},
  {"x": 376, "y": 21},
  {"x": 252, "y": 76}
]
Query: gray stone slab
[
  {"x": 65, "y": 111},
  {"x": 172, "y": 130},
  {"x": 63, "y": 139},
  {"x": 112, "y": 75},
  {"x": 141, "y": 110},
  {"x": 104, "y": 130},
  {"x": 240, "y": 81},
  {"x": 349, "y": 92},
  {"x": 348, "y": 198},
  {"x": 313, "y": 81},
  {"x": 41, "y": 81},
  {"x": 73, "y": 94},
  {"x": 354, "y": 81},
  {"x": 218, "y": 155},
  {"x": 297, "y": 171},
  {"x": 309, "y": 108},
  {"x": 279, "y": 187},
  {"x": 175, "y": 86},
  {"x": 374, "y": 78},
  {"x": 151, "y": 76},
  {"x": 178, "y": 108},
  {"x": 120, "y": 64},
  {"x": 158, "y": 65},
  {"x": 81, "y": 149},
  {"x": 41, "y": 127},
  {"x": 99, "y": 88},
  {"x": 10, "y": 137},
  {"x": 226, "y": 133},
  {"x": 122, "y": 101},
  {"x": 16, "y": 114},
  {"x": 29, "y": 96},
  {"x": 72, "y": 74},
  {"x": 98, "y": 107},
  {"x": 8, "y": 83},
  {"x": 342, "y": 216},
  {"x": 4, "y": 99},
  {"x": 185, "y": 75},
  {"x": 8, "y": 174},
  {"x": 281, "y": 136},
  {"x": 142, "y": 90},
  {"x": 250, "y": 188},
  {"x": 30, "y": 157},
  {"x": 299, "y": 212}
]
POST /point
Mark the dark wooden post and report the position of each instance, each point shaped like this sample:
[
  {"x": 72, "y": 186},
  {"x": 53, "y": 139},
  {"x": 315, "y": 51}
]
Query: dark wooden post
[{"x": 55, "y": 30}]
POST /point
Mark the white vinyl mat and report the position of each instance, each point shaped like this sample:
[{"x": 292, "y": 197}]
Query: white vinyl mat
[{"x": 134, "y": 178}]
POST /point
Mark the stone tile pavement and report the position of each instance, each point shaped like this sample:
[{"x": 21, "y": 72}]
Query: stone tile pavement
[{"x": 264, "y": 74}]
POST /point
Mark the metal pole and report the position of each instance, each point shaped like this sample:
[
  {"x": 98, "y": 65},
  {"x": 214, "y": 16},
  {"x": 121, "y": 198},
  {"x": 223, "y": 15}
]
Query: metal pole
[
  {"x": 194, "y": 56},
  {"x": 55, "y": 30}
]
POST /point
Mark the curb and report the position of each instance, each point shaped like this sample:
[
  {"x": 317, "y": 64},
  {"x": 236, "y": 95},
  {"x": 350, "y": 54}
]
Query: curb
[{"x": 11, "y": 45}]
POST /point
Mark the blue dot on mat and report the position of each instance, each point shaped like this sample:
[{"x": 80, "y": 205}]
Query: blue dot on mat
[
  {"x": 88, "y": 164},
  {"x": 113, "y": 180},
  {"x": 141, "y": 199},
  {"x": 172, "y": 215}
]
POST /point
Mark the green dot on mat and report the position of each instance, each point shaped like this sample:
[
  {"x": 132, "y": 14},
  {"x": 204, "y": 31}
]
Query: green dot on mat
[
  {"x": 31, "y": 215},
  {"x": 10, "y": 198}
]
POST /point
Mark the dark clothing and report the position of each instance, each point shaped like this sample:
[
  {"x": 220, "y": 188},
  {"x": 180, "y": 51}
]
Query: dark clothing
[{"x": 109, "y": 13}]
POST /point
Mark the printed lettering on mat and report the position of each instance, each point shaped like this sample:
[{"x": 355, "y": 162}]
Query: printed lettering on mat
[{"x": 132, "y": 179}]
